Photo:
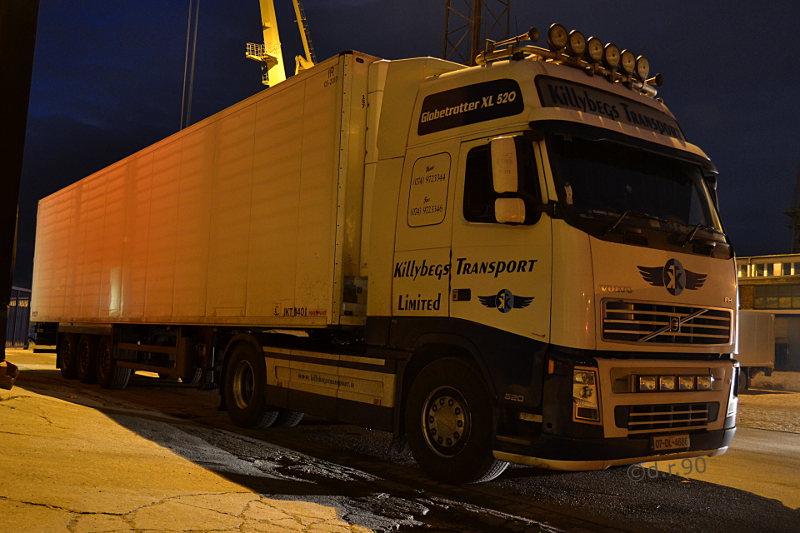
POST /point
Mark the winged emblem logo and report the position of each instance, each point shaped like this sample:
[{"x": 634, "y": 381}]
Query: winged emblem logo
[
  {"x": 672, "y": 276},
  {"x": 504, "y": 301}
]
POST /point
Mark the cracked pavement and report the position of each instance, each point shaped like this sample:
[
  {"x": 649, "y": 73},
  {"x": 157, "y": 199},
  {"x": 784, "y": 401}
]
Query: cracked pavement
[
  {"x": 160, "y": 456},
  {"x": 90, "y": 473}
]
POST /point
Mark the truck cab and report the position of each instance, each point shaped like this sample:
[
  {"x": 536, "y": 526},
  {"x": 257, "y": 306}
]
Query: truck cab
[{"x": 555, "y": 233}]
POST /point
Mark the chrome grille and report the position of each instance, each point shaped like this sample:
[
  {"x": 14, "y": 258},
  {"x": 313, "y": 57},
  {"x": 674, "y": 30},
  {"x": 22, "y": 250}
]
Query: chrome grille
[
  {"x": 664, "y": 418},
  {"x": 644, "y": 322}
]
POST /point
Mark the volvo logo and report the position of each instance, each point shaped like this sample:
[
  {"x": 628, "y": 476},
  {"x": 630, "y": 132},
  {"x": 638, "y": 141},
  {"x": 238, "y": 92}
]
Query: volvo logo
[{"x": 673, "y": 277}]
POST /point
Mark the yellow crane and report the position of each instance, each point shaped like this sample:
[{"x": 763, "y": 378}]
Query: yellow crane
[{"x": 269, "y": 54}]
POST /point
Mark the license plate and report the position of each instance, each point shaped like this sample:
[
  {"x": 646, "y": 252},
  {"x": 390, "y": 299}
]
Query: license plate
[{"x": 671, "y": 442}]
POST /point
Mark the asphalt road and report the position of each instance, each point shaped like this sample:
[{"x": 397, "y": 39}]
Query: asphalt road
[
  {"x": 760, "y": 461},
  {"x": 371, "y": 484}
]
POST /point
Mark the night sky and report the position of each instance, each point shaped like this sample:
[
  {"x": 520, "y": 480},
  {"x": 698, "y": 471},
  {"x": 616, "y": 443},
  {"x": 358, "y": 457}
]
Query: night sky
[{"x": 108, "y": 76}]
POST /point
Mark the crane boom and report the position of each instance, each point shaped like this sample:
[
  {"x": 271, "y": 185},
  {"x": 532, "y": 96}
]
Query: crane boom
[{"x": 301, "y": 62}]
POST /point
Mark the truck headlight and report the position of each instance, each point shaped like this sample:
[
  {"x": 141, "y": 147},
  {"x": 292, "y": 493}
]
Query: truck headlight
[
  {"x": 585, "y": 403},
  {"x": 667, "y": 383},
  {"x": 647, "y": 383},
  {"x": 685, "y": 383},
  {"x": 704, "y": 382}
]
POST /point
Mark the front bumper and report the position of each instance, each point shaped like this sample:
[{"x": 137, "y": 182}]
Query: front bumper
[
  {"x": 629, "y": 419},
  {"x": 565, "y": 453}
]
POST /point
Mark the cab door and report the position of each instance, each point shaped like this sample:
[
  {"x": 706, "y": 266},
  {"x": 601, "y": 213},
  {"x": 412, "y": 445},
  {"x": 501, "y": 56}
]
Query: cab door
[
  {"x": 501, "y": 272},
  {"x": 421, "y": 267}
]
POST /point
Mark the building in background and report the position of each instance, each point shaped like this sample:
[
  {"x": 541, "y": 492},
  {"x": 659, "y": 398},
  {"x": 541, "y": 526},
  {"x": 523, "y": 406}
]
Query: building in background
[
  {"x": 794, "y": 214},
  {"x": 18, "y": 324},
  {"x": 771, "y": 283}
]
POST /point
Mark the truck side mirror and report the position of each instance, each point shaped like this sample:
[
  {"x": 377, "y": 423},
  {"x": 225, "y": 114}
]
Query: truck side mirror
[
  {"x": 509, "y": 210},
  {"x": 505, "y": 173}
]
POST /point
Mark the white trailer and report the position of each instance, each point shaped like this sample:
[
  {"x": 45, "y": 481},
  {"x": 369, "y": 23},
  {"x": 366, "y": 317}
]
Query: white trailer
[
  {"x": 184, "y": 231},
  {"x": 755, "y": 345},
  {"x": 515, "y": 262}
]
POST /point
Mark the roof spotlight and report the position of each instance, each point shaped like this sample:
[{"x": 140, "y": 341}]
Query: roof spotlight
[
  {"x": 576, "y": 43},
  {"x": 642, "y": 68},
  {"x": 594, "y": 49},
  {"x": 611, "y": 55},
  {"x": 557, "y": 37},
  {"x": 628, "y": 61}
]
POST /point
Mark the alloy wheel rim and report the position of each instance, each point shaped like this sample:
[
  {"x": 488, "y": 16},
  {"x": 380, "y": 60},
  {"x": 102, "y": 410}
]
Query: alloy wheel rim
[{"x": 446, "y": 421}]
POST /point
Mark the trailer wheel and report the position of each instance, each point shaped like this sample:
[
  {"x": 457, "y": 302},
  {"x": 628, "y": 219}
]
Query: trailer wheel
[
  {"x": 245, "y": 377},
  {"x": 109, "y": 375},
  {"x": 87, "y": 358},
  {"x": 449, "y": 423},
  {"x": 68, "y": 357},
  {"x": 288, "y": 418},
  {"x": 744, "y": 380}
]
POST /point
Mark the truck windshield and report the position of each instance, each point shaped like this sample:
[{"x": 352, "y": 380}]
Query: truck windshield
[{"x": 599, "y": 178}]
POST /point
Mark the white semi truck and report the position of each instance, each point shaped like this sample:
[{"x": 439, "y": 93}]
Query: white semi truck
[{"x": 520, "y": 261}]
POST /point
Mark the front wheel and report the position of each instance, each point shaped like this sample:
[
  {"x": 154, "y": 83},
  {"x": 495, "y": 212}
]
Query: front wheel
[
  {"x": 193, "y": 376},
  {"x": 449, "y": 423},
  {"x": 245, "y": 382}
]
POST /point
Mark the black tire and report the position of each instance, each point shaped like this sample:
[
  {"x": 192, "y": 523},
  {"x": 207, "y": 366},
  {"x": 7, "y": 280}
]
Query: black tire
[
  {"x": 245, "y": 377},
  {"x": 193, "y": 377},
  {"x": 68, "y": 356},
  {"x": 109, "y": 375},
  {"x": 288, "y": 418},
  {"x": 449, "y": 423},
  {"x": 87, "y": 359}
]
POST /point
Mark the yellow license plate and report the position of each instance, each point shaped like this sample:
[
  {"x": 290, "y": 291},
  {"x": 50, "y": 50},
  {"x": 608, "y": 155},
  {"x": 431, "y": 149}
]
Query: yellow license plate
[{"x": 670, "y": 442}]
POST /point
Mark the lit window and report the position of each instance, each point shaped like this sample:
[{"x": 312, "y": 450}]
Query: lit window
[{"x": 777, "y": 297}]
